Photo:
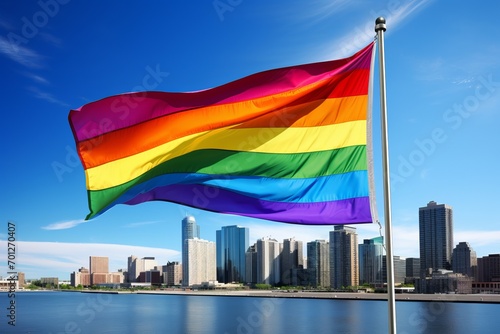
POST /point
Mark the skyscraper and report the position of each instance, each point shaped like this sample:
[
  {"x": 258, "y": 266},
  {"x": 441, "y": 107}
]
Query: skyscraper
[
  {"x": 318, "y": 263},
  {"x": 268, "y": 261},
  {"x": 251, "y": 264},
  {"x": 371, "y": 252},
  {"x": 231, "y": 243},
  {"x": 464, "y": 260},
  {"x": 343, "y": 257},
  {"x": 132, "y": 272},
  {"x": 436, "y": 237},
  {"x": 190, "y": 230},
  {"x": 200, "y": 265},
  {"x": 291, "y": 258}
]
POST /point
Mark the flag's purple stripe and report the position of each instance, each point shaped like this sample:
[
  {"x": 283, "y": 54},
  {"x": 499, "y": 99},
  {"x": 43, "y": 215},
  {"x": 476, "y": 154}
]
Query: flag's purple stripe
[
  {"x": 124, "y": 110},
  {"x": 349, "y": 211}
]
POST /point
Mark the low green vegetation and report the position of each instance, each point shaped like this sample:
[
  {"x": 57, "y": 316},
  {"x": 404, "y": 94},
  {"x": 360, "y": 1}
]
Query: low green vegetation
[{"x": 262, "y": 286}]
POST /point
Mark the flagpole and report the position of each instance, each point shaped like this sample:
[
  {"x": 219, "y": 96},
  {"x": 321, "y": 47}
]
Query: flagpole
[{"x": 380, "y": 29}]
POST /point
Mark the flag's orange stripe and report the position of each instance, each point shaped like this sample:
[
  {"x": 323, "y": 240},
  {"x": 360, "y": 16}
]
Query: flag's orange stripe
[
  {"x": 127, "y": 110},
  {"x": 280, "y": 110},
  {"x": 123, "y": 143}
]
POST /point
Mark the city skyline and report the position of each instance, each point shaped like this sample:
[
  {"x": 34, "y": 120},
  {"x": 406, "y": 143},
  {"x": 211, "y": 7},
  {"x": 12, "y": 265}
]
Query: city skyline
[
  {"x": 349, "y": 263},
  {"x": 443, "y": 107},
  {"x": 177, "y": 257}
]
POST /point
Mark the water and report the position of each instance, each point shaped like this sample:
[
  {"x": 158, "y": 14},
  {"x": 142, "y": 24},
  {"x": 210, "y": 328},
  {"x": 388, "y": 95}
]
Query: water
[{"x": 66, "y": 312}]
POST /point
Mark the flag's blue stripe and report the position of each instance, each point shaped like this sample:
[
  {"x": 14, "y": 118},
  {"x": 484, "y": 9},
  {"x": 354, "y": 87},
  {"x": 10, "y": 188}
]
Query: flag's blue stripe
[{"x": 309, "y": 190}]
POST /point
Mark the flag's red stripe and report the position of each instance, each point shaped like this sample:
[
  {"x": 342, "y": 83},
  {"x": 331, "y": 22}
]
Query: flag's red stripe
[
  {"x": 306, "y": 111},
  {"x": 121, "y": 111}
]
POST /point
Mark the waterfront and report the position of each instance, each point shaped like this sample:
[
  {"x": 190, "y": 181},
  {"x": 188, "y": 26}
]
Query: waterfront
[
  {"x": 470, "y": 298},
  {"x": 63, "y": 312}
]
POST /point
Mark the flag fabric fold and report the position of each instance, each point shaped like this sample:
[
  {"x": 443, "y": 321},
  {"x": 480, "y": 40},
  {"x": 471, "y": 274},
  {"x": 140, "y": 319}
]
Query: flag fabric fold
[{"x": 288, "y": 145}]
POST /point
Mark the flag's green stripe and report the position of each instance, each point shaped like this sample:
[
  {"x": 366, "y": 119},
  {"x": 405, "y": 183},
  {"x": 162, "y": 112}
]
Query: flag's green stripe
[{"x": 220, "y": 162}]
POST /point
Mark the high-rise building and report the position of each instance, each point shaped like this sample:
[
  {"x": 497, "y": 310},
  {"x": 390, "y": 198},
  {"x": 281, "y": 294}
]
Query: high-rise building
[
  {"x": 371, "y": 252},
  {"x": 251, "y": 264},
  {"x": 173, "y": 272},
  {"x": 464, "y": 260},
  {"x": 98, "y": 264},
  {"x": 343, "y": 257},
  {"x": 99, "y": 269},
  {"x": 136, "y": 266},
  {"x": 412, "y": 269},
  {"x": 231, "y": 243},
  {"x": 318, "y": 263},
  {"x": 132, "y": 272},
  {"x": 268, "y": 261},
  {"x": 200, "y": 265},
  {"x": 399, "y": 269},
  {"x": 436, "y": 237},
  {"x": 291, "y": 258},
  {"x": 190, "y": 230}
]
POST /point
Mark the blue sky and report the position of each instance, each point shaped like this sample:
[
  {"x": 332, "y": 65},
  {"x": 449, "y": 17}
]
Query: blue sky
[{"x": 443, "y": 95}]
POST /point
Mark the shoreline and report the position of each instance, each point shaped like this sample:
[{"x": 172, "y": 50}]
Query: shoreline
[
  {"x": 403, "y": 297},
  {"x": 406, "y": 297}
]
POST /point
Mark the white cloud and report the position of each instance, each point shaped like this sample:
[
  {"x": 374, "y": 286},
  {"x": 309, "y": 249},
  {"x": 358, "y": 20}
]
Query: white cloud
[
  {"x": 405, "y": 241},
  {"x": 19, "y": 53},
  {"x": 318, "y": 10},
  {"x": 59, "y": 259},
  {"x": 478, "y": 238},
  {"x": 37, "y": 78},
  {"x": 63, "y": 225},
  {"x": 306, "y": 12},
  {"x": 47, "y": 97},
  {"x": 400, "y": 14},
  {"x": 140, "y": 224},
  {"x": 362, "y": 33}
]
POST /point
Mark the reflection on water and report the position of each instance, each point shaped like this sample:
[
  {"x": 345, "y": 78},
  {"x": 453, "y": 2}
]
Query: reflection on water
[
  {"x": 64, "y": 312},
  {"x": 199, "y": 314}
]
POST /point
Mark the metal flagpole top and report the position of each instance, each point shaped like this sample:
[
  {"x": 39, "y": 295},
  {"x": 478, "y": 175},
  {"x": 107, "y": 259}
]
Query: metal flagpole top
[{"x": 380, "y": 24}]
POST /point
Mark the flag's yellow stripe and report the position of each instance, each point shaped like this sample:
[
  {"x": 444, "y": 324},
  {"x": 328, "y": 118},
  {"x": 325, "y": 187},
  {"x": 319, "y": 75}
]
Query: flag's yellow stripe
[
  {"x": 265, "y": 140},
  {"x": 141, "y": 137}
]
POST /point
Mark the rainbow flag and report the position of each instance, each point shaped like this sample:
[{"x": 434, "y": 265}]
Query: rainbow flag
[{"x": 287, "y": 145}]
